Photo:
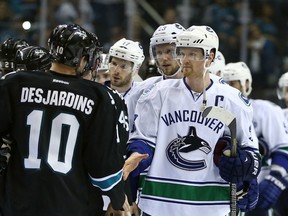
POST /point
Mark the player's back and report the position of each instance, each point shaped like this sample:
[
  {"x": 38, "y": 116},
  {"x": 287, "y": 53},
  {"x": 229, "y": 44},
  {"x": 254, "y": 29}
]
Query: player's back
[{"x": 59, "y": 123}]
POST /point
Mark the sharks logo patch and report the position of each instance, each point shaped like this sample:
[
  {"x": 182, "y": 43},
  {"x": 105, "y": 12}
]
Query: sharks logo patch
[{"x": 177, "y": 148}]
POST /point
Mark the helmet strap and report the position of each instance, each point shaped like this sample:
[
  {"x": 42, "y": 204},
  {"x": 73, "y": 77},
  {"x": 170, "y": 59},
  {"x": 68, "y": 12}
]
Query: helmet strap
[
  {"x": 205, "y": 69},
  {"x": 173, "y": 75}
]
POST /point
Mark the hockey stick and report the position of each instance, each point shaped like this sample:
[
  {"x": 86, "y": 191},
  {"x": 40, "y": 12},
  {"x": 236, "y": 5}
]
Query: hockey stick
[{"x": 228, "y": 119}]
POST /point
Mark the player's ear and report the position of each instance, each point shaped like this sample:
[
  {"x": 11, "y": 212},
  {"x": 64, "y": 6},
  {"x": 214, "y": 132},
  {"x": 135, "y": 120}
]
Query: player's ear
[
  {"x": 211, "y": 57},
  {"x": 247, "y": 85}
]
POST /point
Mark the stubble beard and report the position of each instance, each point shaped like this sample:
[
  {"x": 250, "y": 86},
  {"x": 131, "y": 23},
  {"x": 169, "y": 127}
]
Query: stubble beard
[{"x": 122, "y": 83}]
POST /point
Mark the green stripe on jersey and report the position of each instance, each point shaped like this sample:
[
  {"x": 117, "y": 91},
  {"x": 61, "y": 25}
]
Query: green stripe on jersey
[{"x": 187, "y": 192}]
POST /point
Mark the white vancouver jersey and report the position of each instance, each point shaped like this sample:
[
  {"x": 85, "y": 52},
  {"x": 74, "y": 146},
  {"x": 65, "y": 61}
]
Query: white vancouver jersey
[
  {"x": 128, "y": 97},
  {"x": 270, "y": 124},
  {"x": 132, "y": 95},
  {"x": 285, "y": 111},
  {"x": 216, "y": 79},
  {"x": 271, "y": 127},
  {"x": 183, "y": 179}
]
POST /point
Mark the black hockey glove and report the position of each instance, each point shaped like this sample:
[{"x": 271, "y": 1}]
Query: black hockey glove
[{"x": 5, "y": 150}]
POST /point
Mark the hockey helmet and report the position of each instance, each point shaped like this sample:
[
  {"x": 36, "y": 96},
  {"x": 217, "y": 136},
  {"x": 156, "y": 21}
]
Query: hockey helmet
[
  {"x": 8, "y": 51},
  {"x": 128, "y": 50},
  {"x": 203, "y": 37},
  {"x": 282, "y": 85},
  {"x": 68, "y": 43},
  {"x": 218, "y": 64},
  {"x": 238, "y": 71}
]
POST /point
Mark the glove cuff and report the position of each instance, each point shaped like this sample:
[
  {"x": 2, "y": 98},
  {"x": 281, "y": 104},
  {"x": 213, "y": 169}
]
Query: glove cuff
[
  {"x": 282, "y": 171},
  {"x": 277, "y": 179}
]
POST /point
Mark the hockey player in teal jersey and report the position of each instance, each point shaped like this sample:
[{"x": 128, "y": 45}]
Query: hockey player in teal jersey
[
  {"x": 271, "y": 129},
  {"x": 8, "y": 50},
  {"x": 181, "y": 177},
  {"x": 66, "y": 133}
]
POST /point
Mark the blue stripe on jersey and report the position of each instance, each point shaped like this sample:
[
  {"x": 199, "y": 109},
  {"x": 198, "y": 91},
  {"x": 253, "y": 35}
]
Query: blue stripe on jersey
[
  {"x": 108, "y": 182},
  {"x": 142, "y": 147},
  {"x": 151, "y": 144}
]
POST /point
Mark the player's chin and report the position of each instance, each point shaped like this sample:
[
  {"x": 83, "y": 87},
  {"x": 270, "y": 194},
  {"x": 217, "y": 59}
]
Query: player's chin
[
  {"x": 116, "y": 83},
  {"x": 187, "y": 71}
]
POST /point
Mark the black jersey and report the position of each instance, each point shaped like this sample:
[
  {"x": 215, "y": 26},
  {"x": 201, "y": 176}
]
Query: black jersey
[{"x": 68, "y": 132}]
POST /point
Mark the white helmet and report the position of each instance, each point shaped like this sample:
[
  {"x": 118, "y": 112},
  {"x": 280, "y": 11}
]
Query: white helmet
[
  {"x": 282, "y": 84},
  {"x": 218, "y": 64},
  {"x": 103, "y": 65},
  {"x": 164, "y": 34},
  {"x": 238, "y": 71},
  {"x": 128, "y": 50},
  {"x": 203, "y": 37}
]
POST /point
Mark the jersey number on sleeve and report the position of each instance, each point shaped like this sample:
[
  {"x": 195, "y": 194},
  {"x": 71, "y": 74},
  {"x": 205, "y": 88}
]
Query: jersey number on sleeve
[{"x": 34, "y": 120}]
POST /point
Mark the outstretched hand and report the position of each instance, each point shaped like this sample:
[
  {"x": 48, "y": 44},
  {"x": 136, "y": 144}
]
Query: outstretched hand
[{"x": 132, "y": 163}]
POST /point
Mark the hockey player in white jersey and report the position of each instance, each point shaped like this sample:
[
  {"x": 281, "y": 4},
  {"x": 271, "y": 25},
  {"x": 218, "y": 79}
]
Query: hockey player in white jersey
[
  {"x": 125, "y": 59},
  {"x": 281, "y": 207},
  {"x": 161, "y": 50},
  {"x": 271, "y": 130},
  {"x": 282, "y": 92},
  {"x": 179, "y": 142}
]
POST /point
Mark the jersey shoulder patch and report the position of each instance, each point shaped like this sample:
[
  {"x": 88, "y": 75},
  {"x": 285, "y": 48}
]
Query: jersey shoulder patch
[{"x": 246, "y": 100}]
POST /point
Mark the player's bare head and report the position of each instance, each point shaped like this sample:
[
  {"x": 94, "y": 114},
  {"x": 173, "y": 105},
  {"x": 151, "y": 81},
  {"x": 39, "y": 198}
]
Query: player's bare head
[
  {"x": 69, "y": 43},
  {"x": 121, "y": 73},
  {"x": 218, "y": 65},
  {"x": 33, "y": 58},
  {"x": 238, "y": 72},
  {"x": 282, "y": 89},
  {"x": 162, "y": 48},
  {"x": 8, "y": 51},
  {"x": 128, "y": 50},
  {"x": 201, "y": 38}
]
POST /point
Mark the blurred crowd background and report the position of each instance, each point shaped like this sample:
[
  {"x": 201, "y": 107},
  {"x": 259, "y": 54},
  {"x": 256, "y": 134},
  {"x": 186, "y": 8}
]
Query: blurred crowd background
[{"x": 254, "y": 31}]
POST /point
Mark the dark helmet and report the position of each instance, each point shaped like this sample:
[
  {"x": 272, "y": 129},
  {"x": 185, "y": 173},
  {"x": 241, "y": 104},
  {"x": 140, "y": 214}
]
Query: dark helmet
[
  {"x": 68, "y": 43},
  {"x": 8, "y": 51},
  {"x": 32, "y": 58},
  {"x": 96, "y": 50}
]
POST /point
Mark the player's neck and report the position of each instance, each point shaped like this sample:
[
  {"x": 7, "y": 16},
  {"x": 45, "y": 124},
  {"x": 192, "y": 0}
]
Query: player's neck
[
  {"x": 62, "y": 69},
  {"x": 196, "y": 82},
  {"x": 177, "y": 75},
  {"x": 122, "y": 89}
]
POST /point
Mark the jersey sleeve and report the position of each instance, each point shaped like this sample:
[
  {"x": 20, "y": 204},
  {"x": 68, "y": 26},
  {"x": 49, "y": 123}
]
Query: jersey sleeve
[
  {"x": 243, "y": 111},
  {"x": 104, "y": 158},
  {"x": 274, "y": 132},
  {"x": 146, "y": 116},
  {"x": 246, "y": 133}
]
